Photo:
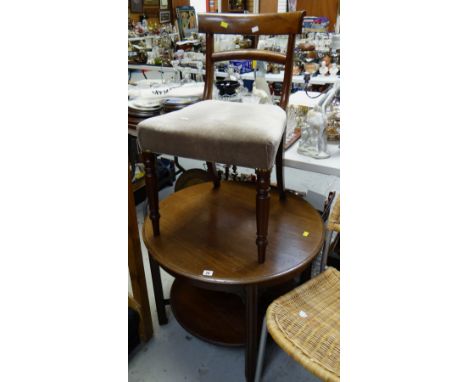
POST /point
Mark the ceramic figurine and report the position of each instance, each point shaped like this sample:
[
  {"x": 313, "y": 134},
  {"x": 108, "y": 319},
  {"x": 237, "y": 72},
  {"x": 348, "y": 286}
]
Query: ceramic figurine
[
  {"x": 323, "y": 68},
  {"x": 199, "y": 71},
  {"x": 313, "y": 142}
]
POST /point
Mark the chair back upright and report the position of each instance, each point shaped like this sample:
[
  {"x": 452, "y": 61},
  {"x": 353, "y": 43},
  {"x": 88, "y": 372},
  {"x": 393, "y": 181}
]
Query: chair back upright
[{"x": 289, "y": 23}]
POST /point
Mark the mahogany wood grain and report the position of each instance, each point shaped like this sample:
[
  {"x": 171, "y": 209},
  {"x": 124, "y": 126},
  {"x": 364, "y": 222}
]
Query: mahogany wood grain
[
  {"x": 288, "y": 68},
  {"x": 136, "y": 269},
  {"x": 209, "y": 67},
  {"x": 151, "y": 181},
  {"x": 268, "y": 6},
  {"x": 267, "y": 23},
  {"x": 211, "y": 229},
  {"x": 263, "y": 210},
  {"x": 249, "y": 54},
  {"x": 219, "y": 317},
  {"x": 215, "y": 317}
]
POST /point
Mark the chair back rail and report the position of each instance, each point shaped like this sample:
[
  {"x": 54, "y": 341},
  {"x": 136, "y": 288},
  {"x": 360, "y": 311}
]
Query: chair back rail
[
  {"x": 251, "y": 24},
  {"x": 251, "y": 54},
  {"x": 259, "y": 24}
]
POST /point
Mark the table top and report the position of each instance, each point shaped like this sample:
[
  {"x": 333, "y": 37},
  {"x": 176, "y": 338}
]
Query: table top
[{"x": 206, "y": 229}]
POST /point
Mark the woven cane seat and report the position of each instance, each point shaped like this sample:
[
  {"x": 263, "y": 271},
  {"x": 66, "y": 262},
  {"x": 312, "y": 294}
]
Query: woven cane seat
[
  {"x": 226, "y": 132},
  {"x": 305, "y": 323}
]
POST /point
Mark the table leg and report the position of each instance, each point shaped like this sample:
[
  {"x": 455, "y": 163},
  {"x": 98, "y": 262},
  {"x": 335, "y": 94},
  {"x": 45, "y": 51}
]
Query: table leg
[
  {"x": 306, "y": 274},
  {"x": 251, "y": 347},
  {"x": 158, "y": 291}
]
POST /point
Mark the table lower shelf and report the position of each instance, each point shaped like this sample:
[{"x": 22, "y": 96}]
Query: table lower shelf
[
  {"x": 218, "y": 317},
  {"x": 212, "y": 316}
]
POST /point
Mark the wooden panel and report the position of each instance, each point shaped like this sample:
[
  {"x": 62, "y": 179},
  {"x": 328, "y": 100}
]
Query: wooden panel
[
  {"x": 250, "y": 54},
  {"x": 327, "y": 8},
  {"x": 224, "y": 5},
  {"x": 272, "y": 24},
  {"x": 268, "y": 6},
  {"x": 213, "y": 316}
]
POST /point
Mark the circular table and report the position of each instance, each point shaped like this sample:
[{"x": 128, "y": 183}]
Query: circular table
[{"x": 207, "y": 242}]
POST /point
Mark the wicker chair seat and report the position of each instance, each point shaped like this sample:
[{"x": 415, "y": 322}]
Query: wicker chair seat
[{"x": 305, "y": 323}]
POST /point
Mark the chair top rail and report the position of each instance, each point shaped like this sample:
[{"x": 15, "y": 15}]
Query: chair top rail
[
  {"x": 251, "y": 24},
  {"x": 249, "y": 54}
]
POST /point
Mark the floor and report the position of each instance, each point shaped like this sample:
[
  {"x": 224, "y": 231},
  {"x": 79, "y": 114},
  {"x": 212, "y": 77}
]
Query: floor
[{"x": 174, "y": 355}]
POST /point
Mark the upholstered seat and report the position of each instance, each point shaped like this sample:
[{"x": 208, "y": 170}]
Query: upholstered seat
[{"x": 226, "y": 132}]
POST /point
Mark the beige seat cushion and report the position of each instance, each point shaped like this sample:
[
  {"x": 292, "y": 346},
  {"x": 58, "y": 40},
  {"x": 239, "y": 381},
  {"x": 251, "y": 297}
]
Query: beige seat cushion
[{"x": 226, "y": 132}]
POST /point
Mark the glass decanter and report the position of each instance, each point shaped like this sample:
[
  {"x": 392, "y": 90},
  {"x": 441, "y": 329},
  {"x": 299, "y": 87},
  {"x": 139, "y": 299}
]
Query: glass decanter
[
  {"x": 199, "y": 71},
  {"x": 175, "y": 65},
  {"x": 186, "y": 76}
]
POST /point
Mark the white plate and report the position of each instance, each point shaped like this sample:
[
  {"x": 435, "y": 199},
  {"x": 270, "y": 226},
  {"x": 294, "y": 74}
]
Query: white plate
[
  {"x": 146, "y": 102},
  {"x": 143, "y": 104},
  {"x": 148, "y": 82},
  {"x": 188, "y": 90}
]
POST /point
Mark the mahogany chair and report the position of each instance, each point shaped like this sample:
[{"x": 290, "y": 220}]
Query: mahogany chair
[{"x": 239, "y": 134}]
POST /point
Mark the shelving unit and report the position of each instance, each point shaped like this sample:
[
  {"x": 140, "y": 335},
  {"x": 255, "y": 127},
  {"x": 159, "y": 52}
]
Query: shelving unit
[
  {"x": 155, "y": 36},
  {"x": 318, "y": 80}
]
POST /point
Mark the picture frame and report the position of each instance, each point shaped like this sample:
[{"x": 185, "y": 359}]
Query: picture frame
[
  {"x": 153, "y": 3},
  {"x": 164, "y": 16},
  {"x": 136, "y": 6},
  {"x": 236, "y": 6},
  {"x": 163, "y": 4},
  {"x": 186, "y": 21}
]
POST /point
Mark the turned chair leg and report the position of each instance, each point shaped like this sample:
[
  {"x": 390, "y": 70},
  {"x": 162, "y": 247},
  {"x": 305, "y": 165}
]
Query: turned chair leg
[
  {"x": 279, "y": 170},
  {"x": 213, "y": 173},
  {"x": 151, "y": 182},
  {"x": 263, "y": 210}
]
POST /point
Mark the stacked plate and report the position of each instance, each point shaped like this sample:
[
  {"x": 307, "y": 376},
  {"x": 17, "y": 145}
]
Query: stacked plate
[
  {"x": 144, "y": 106},
  {"x": 147, "y": 97}
]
